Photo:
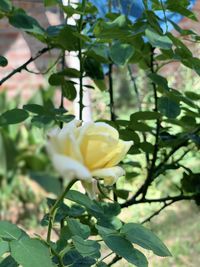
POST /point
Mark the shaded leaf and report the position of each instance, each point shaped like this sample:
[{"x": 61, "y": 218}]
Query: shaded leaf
[{"x": 138, "y": 234}]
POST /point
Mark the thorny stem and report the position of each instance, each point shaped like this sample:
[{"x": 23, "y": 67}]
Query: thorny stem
[
  {"x": 24, "y": 66},
  {"x": 54, "y": 208},
  {"x": 80, "y": 25}
]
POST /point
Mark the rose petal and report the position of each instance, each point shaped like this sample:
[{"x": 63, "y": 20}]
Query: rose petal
[
  {"x": 91, "y": 188},
  {"x": 119, "y": 153},
  {"x": 110, "y": 175},
  {"x": 69, "y": 168}
]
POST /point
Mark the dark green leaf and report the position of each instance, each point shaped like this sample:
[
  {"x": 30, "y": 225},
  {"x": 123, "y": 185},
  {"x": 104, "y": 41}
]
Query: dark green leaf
[
  {"x": 5, "y": 6},
  {"x": 87, "y": 248},
  {"x": 79, "y": 198},
  {"x": 159, "y": 80},
  {"x": 122, "y": 193},
  {"x": 122, "y": 247},
  {"x": 93, "y": 69},
  {"x": 30, "y": 253},
  {"x": 74, "y": 259},
  {"x": 145, "y": 115},
  {"x": 3, "y": 61},
  {"x": 13, "y": 116},
  {"x": 34, "y": 108},
  {"x": 147, "y": 147},
  {"x": 70, "y": 72},
  {"x": 143, "y": 237},
  {"x": 121, "y": 53},
  {"x": 56, "y": 79},
  {"x": 77, "y": 228},
  {"x": 67, "y": 39},
  {"x": 69, "y": 90},
  {"x": 168, "y": 107},
  {"x": 26, "y": 23},
  {"x": 8, "y": 262},
  {"x": 100, "y": 84}
]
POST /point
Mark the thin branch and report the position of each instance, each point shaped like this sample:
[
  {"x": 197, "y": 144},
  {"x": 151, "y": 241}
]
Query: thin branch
[
  {"x": 114, "y": 260},
  {"x": 24, "y": 66},
  {"x": 80, "y": 25},
  {"x": 143, "y": 189},
  {"x": 139, "y": 106},
  {"x": 157, "y": 212},
  {"x": 169, "y": 198},
  {"x": 158, "y": 169},
  {"x": 47, "y": 70},
  {"x": 111, "y": 94}
]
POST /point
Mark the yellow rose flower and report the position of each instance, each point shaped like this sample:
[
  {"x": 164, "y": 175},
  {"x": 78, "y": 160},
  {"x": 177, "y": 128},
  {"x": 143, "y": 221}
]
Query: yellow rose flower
[{"x": 87, "y": 151}]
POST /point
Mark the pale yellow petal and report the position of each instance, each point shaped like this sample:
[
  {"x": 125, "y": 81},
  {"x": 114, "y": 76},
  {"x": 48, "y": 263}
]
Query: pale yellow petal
[
  {"x": 70, "y": 169},
  {"x": 110, "y": 175},
  {"x": 119, "y": 153}
]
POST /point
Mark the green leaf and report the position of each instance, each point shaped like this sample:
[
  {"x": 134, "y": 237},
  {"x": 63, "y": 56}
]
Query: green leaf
[
  {"x": 100, "y": 84},
  {"x": 8, "y": 262},
  {"x": 34, "y": 108},
  {"x": 79, "y": 198},
  {"x": 5, "y": 6},
  {"x": 116, "y": 29},
  {"x": 93, "y": 69},
  {"x": 159, "y": 80},
  {"x": 3, "y": 61},
  {"x": 30, "y": 253},
  {"x": 168, "y": 107},
  {"x": 147, "y": 147},
  {"x": 13, "y": 116},
  {"x": 192, "y": 95},
  {"x": 122, "y": 247},
  {"x": 77, "y": 228},
  {"x": 56, "y": 79},
  {"x": 67, "y": 39},
  {"x": 138, "y": 234},
  {"x": 87, "y": 248},
  {"x": 145, "y": 115},
  {"x": 74, "y": 259},
  {"x": 139, "y": 126},
  {"x": 121, "y": 53},
  {"x": 69, "y": 90},
  {"x": 157, "y": 40},
  {"x": 9, "y": 231},
  {"x": 26, "y": 23},
  {"x": 4, "y": 247},
  {"x": 70, "y": 72}
]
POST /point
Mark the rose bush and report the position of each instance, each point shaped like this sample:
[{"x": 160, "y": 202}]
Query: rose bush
[{"x": 87, "y": 151}]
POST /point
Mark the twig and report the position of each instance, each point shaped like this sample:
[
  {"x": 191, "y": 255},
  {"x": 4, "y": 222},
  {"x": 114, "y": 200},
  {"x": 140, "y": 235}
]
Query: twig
[
  {"x": 169, "y": 198},
  {"x": 114, "y": 260},
  {"x": 166, "y": 203},
  {"x": 157, "y": 212},
  {"x": 80, "y": 25},
  {"x": 139, "y": 106},
  {"x": 47, "y": 70},
  {"x": 24, "y": 66},
  {"x": 158, "y": 170}
]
